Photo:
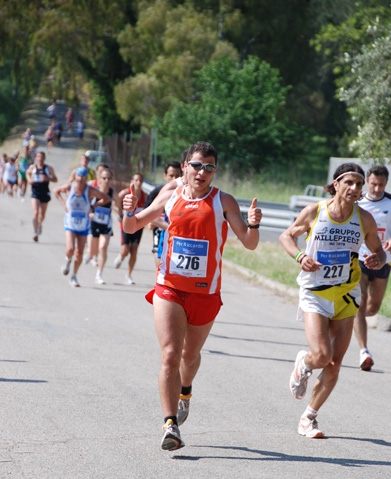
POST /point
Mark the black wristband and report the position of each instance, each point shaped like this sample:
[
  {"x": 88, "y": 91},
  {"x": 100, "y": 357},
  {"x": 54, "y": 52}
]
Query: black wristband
[{"x": 253, "y": 227}]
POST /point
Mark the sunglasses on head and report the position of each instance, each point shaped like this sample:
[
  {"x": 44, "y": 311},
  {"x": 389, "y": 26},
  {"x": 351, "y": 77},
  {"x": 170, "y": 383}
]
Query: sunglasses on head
[{"x": 198, "y": 166}]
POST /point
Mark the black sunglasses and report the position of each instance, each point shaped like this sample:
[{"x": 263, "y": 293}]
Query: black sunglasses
[{"x": 198, "y": 166}]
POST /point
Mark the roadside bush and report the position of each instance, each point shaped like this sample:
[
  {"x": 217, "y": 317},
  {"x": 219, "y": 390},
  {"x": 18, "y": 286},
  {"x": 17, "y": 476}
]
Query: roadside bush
[{"x": 10, "y": 109}]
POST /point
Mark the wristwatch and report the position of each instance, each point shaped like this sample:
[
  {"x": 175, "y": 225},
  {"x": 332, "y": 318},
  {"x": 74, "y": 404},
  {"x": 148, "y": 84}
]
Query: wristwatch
[{"x": 253, "y": 227}]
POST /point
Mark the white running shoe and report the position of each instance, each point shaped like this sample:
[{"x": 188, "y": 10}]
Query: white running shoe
[
  {"x": 171, "y": 440},
  {"x": 183, "y": 408},
  {"x": 73, "y": 281},
  {"x": 366, "y": 360},
  {"x": 86, "y": 258},
  {"x": 299, "y": 377},
  {"x": 99, "y": 279},
  {"x": 117, "y": 262},
  {"x": 309, "y": 428},
  {"x": 94, "y": 261},
  {"x": 129, "y": 280},
  {"x": 65, "y": 267}
]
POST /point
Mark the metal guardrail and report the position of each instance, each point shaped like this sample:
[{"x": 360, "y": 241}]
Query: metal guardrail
[
  {"x": 315, "y": 190},
  {"x": 272, "y": 218},
  {"x": 276, "y": 216},
  {"x": 298, "y": 202}
]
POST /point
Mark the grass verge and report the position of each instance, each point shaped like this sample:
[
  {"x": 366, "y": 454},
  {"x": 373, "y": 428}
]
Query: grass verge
[{"x": 258, "y": 187}]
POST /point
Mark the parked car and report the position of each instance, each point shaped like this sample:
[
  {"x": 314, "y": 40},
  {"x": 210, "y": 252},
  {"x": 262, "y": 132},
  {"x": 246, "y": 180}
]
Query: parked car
[{"x": 97, "y": 157}]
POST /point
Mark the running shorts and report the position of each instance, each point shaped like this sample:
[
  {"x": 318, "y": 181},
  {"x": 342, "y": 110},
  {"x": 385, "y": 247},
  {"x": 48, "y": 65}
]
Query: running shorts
[
  {"x": 129, "y": 238},
  {"x": 342, "y": 308},
  {"x": 200, "y": 309},
  {"x": 98, "y": 229},
  {"x": 382, "y": 273},
  {"x": 42, "y": 197}
]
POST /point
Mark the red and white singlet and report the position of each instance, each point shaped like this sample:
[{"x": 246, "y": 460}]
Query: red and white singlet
[{"x": 193, "y": 244}]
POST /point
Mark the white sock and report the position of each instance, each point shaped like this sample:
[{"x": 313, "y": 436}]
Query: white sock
[{"x": 309, "y": 412}]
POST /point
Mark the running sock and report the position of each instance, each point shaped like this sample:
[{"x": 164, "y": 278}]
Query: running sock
[
  {"x": 364, "y": 350},
  {"x": 173, "y": 419},
  {"x": 309, "y": 412},
  {"x": 186, "y": 390}
]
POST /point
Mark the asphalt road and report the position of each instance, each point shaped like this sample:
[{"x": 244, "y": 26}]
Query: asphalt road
[{"x": 78, "y": 376}]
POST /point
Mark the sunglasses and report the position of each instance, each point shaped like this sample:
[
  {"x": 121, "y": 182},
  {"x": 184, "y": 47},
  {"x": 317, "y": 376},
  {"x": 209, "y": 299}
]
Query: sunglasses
[
  {"x": 198, "y": 166},
  {"x": 105, "y": 178}
]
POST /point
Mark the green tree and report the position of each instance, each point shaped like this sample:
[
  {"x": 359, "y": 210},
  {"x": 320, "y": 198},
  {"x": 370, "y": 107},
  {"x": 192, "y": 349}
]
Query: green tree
[
  {"x": 339, "y": 42},
  {"x": 165, "y": 48},
  {"x": 357, "y": 51},
  {"x": 367, "y": 92},
  {"x": 239, "y": 109},
  {"x": 9, "y": 108},
  {"x": 17, "y": 27},
  {"x": 62, "y": 45},
  {"x": 78, "y": 41}
]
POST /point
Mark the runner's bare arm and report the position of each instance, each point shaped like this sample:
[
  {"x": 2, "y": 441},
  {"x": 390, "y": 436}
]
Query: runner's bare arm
[
  {"x": 299, "y": 227},
  {"x": 137, "y": 221},
  {"x": 377, "y": 258},
  {"x": 53, "y": 176},
  {"x": 103, "y": 197},
  {"x": 65, "y": 188},
  {"x": 248, "y": 236},
  {"x": 29, "y": 175}
]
